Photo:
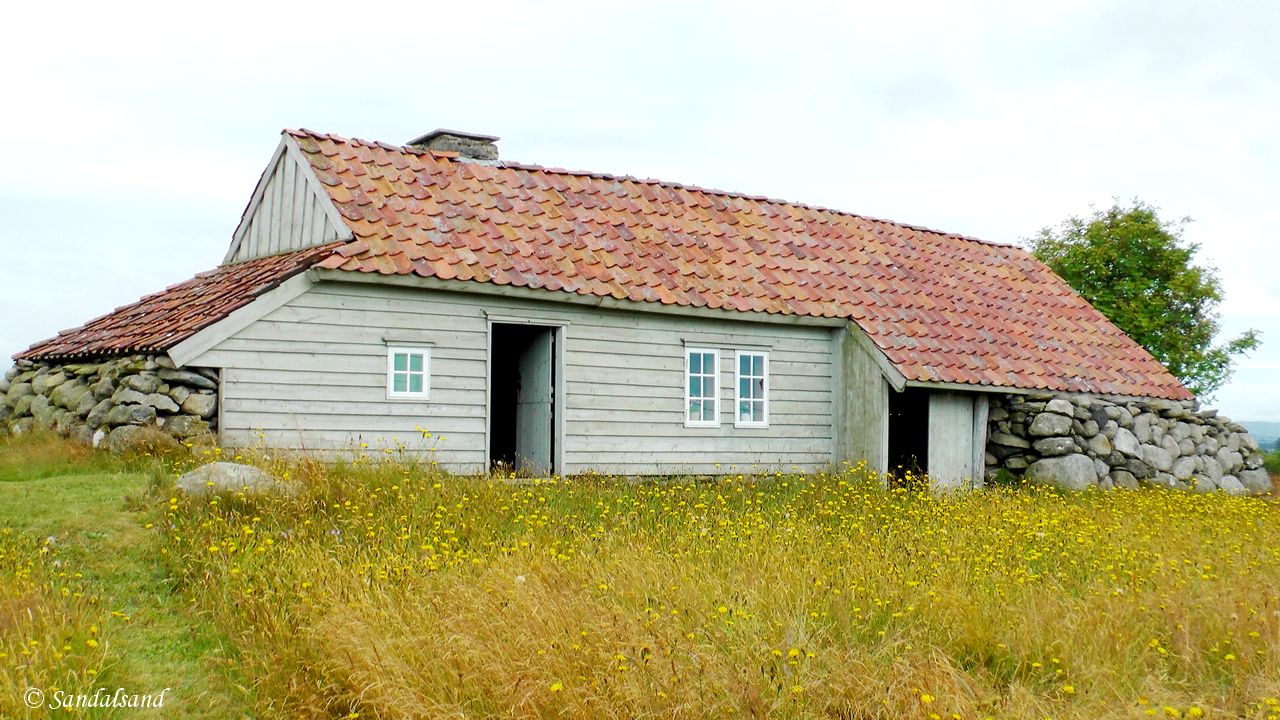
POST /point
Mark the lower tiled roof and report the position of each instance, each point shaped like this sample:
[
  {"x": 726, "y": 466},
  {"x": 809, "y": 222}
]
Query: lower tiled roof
[{"x": 158, "y": 322}]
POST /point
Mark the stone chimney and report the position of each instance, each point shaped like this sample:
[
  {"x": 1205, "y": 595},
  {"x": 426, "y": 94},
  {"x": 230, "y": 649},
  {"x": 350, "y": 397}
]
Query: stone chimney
[{"x": 468, "y": 145}]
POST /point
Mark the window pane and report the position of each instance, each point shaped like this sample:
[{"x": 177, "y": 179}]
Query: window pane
[
  {"x": 744, "y": 387},
  {"x": 400, "y": 362},
  {"x": 757, "y": 411},
  {"x": 399, "y": 382},
  {"x": 744, "y": 410},
  {"x": 415, "y": 383},
  {"x": 744, "y": 364},
  {"x": 415, "y": 362},
  {"x": 695, "y": 363},
  {"x": 708, "y": 363},
  {"x": 695, "y": 409},
  {"x": 757, "y": 389},
  {"x": 709, "y": 410},
  {"x": 758, "y": 363},
  {"x": 695, "y": 387}
]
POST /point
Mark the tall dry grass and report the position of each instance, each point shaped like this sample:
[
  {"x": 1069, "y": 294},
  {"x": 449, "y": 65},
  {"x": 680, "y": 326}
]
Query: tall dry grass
[{"x": 388, "y": 590}]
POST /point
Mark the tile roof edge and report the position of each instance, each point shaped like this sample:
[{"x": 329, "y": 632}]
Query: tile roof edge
[
  {"x": 671, "y": 184},
  {"x": 307, "y": 258}
]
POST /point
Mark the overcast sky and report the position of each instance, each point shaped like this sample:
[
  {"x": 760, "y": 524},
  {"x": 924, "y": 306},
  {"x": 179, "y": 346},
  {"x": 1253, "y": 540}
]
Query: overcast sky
[{"x": 133, "y": 135}]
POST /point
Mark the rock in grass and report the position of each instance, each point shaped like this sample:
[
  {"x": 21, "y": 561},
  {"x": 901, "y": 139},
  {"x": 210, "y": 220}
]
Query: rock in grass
[{"x": 218, "y": 477}]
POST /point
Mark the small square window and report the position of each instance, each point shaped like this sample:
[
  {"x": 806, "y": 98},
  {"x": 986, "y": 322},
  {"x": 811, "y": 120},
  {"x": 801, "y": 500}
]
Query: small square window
[
  {"x": 408, "y": 372},
  {"x": 752, "y": 406}
]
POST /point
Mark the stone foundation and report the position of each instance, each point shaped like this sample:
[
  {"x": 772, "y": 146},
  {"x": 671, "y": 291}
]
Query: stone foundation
[
  {"x": 110, "y": 402},
  {"x": 1078, "y": 441}
]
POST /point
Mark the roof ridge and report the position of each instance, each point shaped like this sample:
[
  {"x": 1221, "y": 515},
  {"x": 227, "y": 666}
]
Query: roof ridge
[{"x": 671, "y": 184}]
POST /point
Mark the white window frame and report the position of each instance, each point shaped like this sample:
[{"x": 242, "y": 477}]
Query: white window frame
[
  {"x": 425, "y": 352},
  {"x": 737, "y": 389},
  {"x": 715, "y": 379}
]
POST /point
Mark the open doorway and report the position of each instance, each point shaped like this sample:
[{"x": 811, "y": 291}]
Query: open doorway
[
  {"x": 522, "y": 399},
  {"x": 909, "y": 432}
]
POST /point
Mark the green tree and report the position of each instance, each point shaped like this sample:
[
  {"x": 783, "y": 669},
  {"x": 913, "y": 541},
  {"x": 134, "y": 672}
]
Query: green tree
[{"x": 1139, "y": 272}]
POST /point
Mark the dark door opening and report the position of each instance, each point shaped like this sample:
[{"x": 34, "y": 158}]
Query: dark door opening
[
  {"x": 522, "y": 391},
  {"x": 909, "y": 432}
]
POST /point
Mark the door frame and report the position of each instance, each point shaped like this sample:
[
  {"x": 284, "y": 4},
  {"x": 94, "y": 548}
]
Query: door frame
[{"x": 558, "y": 327}]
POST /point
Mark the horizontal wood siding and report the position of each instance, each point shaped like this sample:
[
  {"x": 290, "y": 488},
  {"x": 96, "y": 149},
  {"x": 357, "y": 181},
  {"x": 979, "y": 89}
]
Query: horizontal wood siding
[
  {"x": 312, "y": 375},
  {"x": 289, "y": 215}
]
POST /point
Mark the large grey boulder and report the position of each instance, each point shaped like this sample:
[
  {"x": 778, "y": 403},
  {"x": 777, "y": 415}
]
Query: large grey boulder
[
  {"x": 217, "y": 477},
  {"x": 1231, "y": 486},
  {"x": 144, "y": 383},
  {"x": 185, "y": 426},
  {"x": 44, "y": 384},
  {"x": 1229, "y": 459},
  {"x": 131, "y": 415},
  {"x": 124, "y": 395},
  {"x": 42, "y": 411},
  {"x": 19, "y": 390},
  {"x": 97, "y": 416},
  {"x": 1126, "y": 442},
  {"x": 162, "y": 403},
  {"x": 1124, "y": 479},
  {"x": 103, "y": 388},
  {"x": 1184, "y": 468},
  {"x": 1142, "y": 427},
  {"x": 186, "y": 377},
  {"x": 1054, "y": 446},
  {"x": 1068, "y": 472},
  {"x": 1006, "y": 440},
  {"x": 1256, "y": 481},
  {"x": 200, "y": 405},
  {"x": 23, "y": 405},
  {"x": 1099, "y": 445},
  {"x": 1157, "y": 457},
  {"x": 1048, "y": 424},
  {"x": 1060, "y": 406}
]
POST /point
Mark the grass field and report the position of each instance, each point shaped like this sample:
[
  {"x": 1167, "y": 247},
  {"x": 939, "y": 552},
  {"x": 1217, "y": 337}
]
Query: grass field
[{"x": 385, "y": 590}]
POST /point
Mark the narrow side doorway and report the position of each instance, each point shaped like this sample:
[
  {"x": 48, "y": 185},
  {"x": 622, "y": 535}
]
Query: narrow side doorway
[
  {"x": 909, "y": 432},
  {"x": 522, "y": 398}
]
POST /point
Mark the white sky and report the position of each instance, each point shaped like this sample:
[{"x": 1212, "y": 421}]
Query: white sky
[{"x": 134, "y": 134}]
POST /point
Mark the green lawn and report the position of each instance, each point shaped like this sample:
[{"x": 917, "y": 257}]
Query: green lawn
[{"x": 89, "y": 510}]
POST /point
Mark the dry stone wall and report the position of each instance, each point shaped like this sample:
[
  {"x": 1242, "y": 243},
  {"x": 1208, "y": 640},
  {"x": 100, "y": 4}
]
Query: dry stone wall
[
  {"x": 110, "y": 402},
  {"x": 1079, "y": 441}
]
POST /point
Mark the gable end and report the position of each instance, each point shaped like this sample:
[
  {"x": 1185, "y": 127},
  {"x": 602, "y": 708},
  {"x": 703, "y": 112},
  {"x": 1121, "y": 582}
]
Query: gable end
[{"x": 289, "y": 210}]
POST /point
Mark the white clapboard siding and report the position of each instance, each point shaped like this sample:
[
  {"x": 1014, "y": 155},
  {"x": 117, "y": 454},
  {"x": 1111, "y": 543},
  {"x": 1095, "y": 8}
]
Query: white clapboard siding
[
  {"x": 311, "y": 375},
  {"x": 288, "y": 215}
]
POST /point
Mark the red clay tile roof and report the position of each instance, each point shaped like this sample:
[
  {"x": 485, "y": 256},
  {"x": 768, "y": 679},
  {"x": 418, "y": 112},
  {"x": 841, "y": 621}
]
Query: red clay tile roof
[
  {"x": 942, "y": 307},
  {"x": 158, "y": 322}
]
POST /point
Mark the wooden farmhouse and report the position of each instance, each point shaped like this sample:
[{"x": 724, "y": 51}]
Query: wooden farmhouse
[{"x": 567, "y": 322}]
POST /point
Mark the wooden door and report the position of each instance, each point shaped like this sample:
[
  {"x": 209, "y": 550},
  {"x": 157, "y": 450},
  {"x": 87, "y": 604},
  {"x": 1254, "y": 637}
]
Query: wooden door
[{"x": 534, "y": 404}]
